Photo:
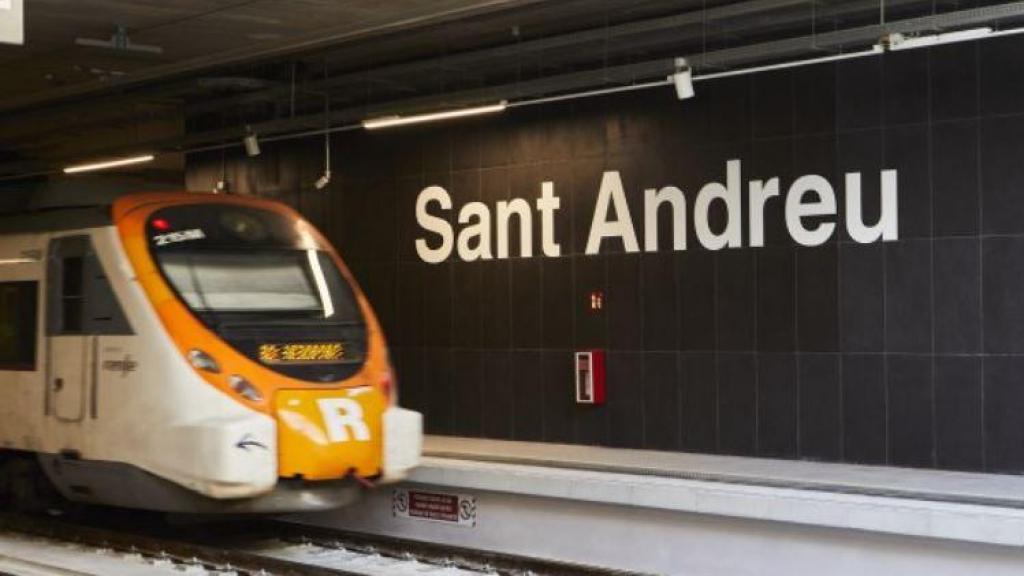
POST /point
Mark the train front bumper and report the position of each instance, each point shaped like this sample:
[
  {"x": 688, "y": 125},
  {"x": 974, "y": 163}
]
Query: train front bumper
[{"x": 333, "y": 434}]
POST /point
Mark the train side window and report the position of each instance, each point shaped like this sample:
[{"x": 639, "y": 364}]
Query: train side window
[
  {"x": 72, "y": 294},
  {"x": 80, "y": 299},
  {"x": 18, "y": 328}
]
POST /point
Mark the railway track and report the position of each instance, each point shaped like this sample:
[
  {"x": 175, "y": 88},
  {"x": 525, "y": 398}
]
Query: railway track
[
  {"x": 259, "y": 548},
  {"x": 13, "y": 566}
]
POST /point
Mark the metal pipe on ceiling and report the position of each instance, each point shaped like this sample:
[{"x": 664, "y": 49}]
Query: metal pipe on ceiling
[
  {"x": 642, "y": 34},
  {"x": 824, "y": 42},
  {"x": 518, "y": 50},
  {"x": 601, "y": 80},
  {"x": 674, "y": 23},
  {"x": 249, "y": 55}
]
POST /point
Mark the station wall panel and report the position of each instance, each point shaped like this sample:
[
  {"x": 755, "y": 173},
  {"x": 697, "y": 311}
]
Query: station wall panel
[{"x": 907, "y": 352}]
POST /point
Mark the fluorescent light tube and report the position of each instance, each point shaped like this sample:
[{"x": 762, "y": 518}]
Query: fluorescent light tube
[
  {"x": 389, "y": 121},
  {"x": 109, "y": 164},
  {"x": 1007, "y": 32},
  {"x": 9, "y": 261},
  {"x": 874, "y": 51},
  {"x": 909, "y": 43}
]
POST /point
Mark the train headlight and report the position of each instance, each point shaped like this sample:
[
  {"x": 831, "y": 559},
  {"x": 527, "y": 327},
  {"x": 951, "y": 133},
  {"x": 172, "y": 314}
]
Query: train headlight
[
  {"x": 245, "y": 389},
  {"x": 387, "y": 386},
  {"x": 202, "y": 361}
]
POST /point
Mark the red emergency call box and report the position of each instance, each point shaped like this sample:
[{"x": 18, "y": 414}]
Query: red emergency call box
[{"x": 590, "y": 377}]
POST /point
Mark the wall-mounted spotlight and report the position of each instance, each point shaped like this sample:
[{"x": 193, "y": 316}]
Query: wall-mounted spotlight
[
  {"x": 682, "y": 79},
  {"x": 251, "y": 142},
  {"x": 323, "y": 180}
]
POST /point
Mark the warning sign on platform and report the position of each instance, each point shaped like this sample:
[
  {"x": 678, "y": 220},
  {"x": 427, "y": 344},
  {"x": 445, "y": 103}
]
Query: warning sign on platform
[{"x": 454, "y": 509}]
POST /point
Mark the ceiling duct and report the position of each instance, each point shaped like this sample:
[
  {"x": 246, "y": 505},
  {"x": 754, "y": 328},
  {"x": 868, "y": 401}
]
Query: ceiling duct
[{"x": 232, "y": 84}]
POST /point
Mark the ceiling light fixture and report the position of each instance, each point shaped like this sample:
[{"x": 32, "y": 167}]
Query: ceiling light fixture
[
  {"x": 875, "y": 51},
  {"x": 897, "y": 41},
  {"x": 251, "y": 142},
  {"x": 109, "y": 164},
  {"x": 390, "y": 121},
  {"x": 325, "y": 179},
  {"x": 683, "y": 79},
  {"x": 1007, "y": 32}
]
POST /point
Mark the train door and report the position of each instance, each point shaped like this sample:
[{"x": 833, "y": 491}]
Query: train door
[
  {"x": 81, "y": 309},
  {"x": 67, "y": 360}
]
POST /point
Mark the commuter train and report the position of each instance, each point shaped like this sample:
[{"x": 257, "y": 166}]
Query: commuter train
[{"x": 189, "y": 352}]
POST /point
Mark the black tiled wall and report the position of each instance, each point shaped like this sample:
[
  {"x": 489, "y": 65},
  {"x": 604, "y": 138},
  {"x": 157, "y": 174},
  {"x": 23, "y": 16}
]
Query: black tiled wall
[{"x": 906, "y": 353}]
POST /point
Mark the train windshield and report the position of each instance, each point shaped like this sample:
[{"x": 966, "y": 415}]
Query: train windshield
[
  {"x": 251, "y": 277},
  {"x": 224, "y": 281}
]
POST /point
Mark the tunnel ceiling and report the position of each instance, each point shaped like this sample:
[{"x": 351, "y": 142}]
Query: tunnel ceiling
[{"x": 201, "y": 71}]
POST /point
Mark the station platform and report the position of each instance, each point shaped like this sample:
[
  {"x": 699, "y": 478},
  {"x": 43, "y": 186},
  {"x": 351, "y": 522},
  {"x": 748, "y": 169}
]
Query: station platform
[{"x": 673, "y": 513}]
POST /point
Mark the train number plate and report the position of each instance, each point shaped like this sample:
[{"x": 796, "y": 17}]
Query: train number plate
[
  {"x": 453, "y": 509},
  {"x": 307, "y": 353}
]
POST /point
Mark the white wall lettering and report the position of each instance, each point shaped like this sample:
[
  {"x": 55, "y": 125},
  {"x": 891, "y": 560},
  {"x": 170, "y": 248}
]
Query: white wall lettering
[
  {"x": 434, "y": 224},
  {"x": 611, "y": 195},
  {"x": 887, "y": 227},
  {"x": 475, "y": 240},
  {"x": 653, "y": 199},
  {"x": 521, "y": 209},
  {"x": 730, "y": 195},
  {"x": 760, "y": 192},
  {"x": 797, "y": 209},
  {"x": 546, "y": 205},
  {"x": 811, "y": 215}
]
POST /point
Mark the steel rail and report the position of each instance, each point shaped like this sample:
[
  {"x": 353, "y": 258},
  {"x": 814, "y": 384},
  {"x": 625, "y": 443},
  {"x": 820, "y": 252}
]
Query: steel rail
[
  {"x": 8, "y": 562},
  {"x": 241, "y": 547},
  {"x": 180, "y": 552}
]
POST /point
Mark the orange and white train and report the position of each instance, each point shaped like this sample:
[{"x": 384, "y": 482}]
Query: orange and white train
[{"x": 189, "y": 352}]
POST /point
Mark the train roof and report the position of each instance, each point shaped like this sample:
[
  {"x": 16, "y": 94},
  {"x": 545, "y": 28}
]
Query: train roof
[{"x": 66, "y": 203}]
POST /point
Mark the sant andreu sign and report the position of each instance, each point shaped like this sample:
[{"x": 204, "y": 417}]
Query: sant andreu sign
[{"x": 810, "y": 209}]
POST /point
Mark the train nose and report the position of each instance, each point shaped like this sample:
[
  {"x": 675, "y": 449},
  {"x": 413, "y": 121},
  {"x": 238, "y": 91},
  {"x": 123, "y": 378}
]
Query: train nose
[{"x": 326, "y": 434}]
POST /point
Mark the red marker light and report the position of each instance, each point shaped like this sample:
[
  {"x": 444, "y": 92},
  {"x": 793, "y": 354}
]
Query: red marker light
[{"x": 161, "y": 224}]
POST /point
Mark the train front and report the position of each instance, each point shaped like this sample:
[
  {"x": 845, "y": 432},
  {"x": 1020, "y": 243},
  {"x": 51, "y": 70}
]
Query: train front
[{"x": 261, "y": 307}]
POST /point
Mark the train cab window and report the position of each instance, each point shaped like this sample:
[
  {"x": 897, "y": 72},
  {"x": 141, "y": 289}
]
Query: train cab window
[
  {"x": 18, "y": 314},
  {"x": 80, "y": 299},
  {"x": 254, "y": 278}
]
